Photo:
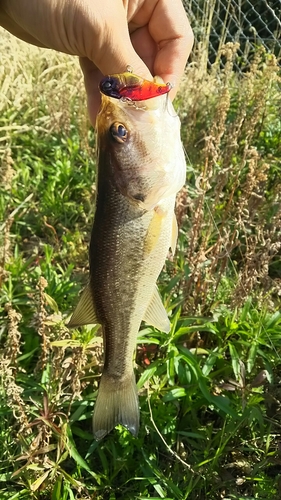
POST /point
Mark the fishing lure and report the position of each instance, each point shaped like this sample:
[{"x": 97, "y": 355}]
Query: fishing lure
[{"x": 132, "y": 87}]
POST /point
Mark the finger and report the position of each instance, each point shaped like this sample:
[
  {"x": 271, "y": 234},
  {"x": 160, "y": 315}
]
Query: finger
[
  {"x": 174, "y": 38},
  {"x": 8, "y": 23},
  {"x": 114, "y": 50},
  {"x": 145, "y": 46},
  {"x": 92, "y": 77},
  {"x": 113, "y": 53}
]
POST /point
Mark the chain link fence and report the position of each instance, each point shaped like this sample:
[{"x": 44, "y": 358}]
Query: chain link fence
[{"x": 252, "y": 23}]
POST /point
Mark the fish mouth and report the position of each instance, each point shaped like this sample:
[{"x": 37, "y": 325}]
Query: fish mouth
[{"x": 127, "y": 104}]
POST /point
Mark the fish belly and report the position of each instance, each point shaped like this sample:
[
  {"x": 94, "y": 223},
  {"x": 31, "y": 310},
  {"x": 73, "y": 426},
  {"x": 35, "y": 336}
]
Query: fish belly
[{"x": 127, "y": 252}]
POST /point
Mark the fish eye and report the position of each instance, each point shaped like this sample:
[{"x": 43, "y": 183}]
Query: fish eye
[{"x": 119, "y": 132}]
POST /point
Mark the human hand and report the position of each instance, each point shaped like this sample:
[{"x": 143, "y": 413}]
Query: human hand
[{"x": 152, "y": 36}]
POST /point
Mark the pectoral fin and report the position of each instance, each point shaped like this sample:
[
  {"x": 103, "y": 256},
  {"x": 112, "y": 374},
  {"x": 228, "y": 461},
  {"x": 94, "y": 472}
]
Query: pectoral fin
[
  {"x": 175, "y": 232},
  {"x": 153, "y": 232},
  {"x": 84, "y": 313},
  {"x": 156, "y": 315}
]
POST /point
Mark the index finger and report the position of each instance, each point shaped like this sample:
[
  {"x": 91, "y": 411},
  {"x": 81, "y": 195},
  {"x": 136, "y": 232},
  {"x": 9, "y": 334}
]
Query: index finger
[{"x": 170, "y": 28}]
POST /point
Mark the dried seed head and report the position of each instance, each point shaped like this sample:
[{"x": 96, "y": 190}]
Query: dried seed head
[{"x": 12, "y": 344}]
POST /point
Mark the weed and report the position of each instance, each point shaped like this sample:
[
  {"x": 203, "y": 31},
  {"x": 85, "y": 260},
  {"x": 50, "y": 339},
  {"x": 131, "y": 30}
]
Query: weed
[{"x": 233, "y": 212}]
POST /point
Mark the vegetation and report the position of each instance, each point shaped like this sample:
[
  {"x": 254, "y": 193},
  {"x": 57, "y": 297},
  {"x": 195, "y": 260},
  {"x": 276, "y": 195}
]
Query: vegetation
[
  {"x": 252, "y": 23},
  {"x": 209, "y": 390}
]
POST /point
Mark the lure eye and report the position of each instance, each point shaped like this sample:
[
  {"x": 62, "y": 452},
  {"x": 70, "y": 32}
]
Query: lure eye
[
  {"x": 107, "y": 85},
  {"x": 110, "y": 87},
  {"x": 119, "y": 132}
]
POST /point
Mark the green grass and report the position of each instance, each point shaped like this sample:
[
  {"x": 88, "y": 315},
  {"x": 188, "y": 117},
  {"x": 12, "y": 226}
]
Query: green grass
[{"x": 209, "y": 390}]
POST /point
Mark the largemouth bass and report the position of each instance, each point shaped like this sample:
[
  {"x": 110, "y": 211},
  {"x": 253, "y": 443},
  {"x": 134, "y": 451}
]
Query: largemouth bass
[{"x": 141, "y": 167}]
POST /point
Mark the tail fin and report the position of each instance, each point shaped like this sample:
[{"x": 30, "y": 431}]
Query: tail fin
[{"x": 117, "y": 403}]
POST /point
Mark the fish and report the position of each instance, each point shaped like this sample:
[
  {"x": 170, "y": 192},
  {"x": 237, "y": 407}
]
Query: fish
[{"x": 141, "y": 167}]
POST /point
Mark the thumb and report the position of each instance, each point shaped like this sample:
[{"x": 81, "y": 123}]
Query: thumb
[{"x": 112, "y": 53}]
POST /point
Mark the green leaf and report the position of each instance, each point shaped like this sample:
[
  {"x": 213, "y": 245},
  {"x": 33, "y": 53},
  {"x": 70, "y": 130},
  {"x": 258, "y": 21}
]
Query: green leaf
[
  {"x": 246, "y": 308},
  {"x": 149, "y": 372},
  {"x": 27, "y": 355},
  {"x": 275, "y": 318},
  {"x": 252, "y": 357},
  {"x": 70, "y": 492},
  {"x": 80, "y": 411},
  {"x": 209, "y": 363},
  {"x": 52, "y": 303},
  {"x": 174, "y": 488},
  {"x": 75, "y": 454},
  {"x": 185, "y": 330},
  {"x": 234, "y": 361},
  {"x": 56, "y": 493},
  {"x": 159, "y": 490},
  {"x": 178, "y": 392},
  {"x": 194, "y": 435},
  {"x": 171, "y": 284},
  {"x": 70, "y": 479},
  {"x": 219, "y": 402},
  {"x": 34, "y": 486},
  {"x": 5, "y": 477}
]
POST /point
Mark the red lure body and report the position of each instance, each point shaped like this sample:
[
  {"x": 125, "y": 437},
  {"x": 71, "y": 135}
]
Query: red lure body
[{"x": 132, "y": 87}]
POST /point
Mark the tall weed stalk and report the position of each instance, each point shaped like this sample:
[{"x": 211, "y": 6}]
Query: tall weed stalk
[{"x": 233, "y": 209}]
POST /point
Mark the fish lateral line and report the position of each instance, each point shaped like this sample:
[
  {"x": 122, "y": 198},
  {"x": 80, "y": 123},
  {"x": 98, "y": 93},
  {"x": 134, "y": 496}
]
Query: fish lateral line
[{"x": 128, "y": 86}]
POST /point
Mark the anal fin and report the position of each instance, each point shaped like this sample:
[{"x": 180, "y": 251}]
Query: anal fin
[
  {"x": 84, "y": 313},
  {"x": 156, "y": 314}
]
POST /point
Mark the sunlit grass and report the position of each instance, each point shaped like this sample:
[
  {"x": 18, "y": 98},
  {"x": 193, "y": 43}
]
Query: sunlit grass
[{"x": 209, "y": 390}]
